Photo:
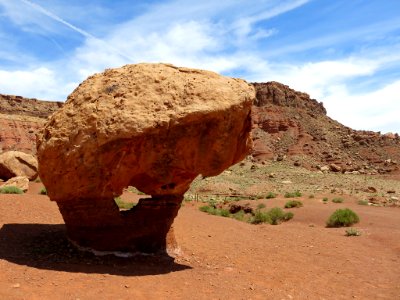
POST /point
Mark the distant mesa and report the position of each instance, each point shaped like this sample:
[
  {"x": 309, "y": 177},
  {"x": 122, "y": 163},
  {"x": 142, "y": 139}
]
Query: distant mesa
[{"x": 152, "y": 126}]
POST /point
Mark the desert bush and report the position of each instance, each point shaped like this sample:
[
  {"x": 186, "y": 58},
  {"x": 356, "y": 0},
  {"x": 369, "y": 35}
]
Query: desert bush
[
  {"x": 311, "y": 196},
  {"x": 270, "y": 195},
  {"x": 240, "y": 215},
  {"x": 342, "y": 218},
  {"x": 337, "y": 200},
  {"x": 352, "y": 232},
  {"x": 260, "y": 217},
  {"x": 11, "y": 190},
  {"x": 260, "y": 206},
  {"x": 293, "y": 194},
  {"x": 122, "y": 205},
  {"x": 293, "y": 203},
  {"x": 43, "y": 191},
  {"x": 288, "y": 216},
  {"x": 215, "y": 211},
  {"x": 276, "y": 214},
  {"x": 363, "y": 202}
]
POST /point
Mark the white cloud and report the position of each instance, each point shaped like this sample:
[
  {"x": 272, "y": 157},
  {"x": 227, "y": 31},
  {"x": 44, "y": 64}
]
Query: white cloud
[
  {"x": 41, "y": 81},
  {"x": 375, "y": 110},
  {"x": 221, "y": 36}
]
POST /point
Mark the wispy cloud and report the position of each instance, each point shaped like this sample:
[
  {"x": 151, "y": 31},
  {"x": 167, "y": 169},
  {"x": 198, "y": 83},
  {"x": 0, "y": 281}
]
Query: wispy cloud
[{"x": 232, "y": 37}]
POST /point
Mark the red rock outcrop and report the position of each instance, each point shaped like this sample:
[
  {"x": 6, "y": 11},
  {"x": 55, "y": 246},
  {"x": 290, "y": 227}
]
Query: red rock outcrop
[
  {"x": 16, "y": 163},
  {"x": 20, "y": 119},
  {"x": 152, "y": 126},
  {"x": 290, "y": 123}
]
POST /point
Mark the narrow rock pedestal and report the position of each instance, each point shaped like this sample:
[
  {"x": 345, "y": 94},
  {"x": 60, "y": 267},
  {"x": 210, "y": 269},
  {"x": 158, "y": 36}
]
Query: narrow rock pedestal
[{"x": 101, "y": 226}]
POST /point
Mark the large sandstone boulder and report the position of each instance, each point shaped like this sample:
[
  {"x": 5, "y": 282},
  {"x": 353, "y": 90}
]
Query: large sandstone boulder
[
  {"x": 152, "y": 126},
  {"x": 15, "y": 163}
]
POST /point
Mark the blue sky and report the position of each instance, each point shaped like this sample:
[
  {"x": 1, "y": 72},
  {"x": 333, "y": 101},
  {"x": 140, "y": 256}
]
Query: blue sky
[{"x": 345, "y": 53}]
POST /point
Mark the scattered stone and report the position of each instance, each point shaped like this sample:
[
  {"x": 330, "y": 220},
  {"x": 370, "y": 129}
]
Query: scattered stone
[
  {"x": 234, "y": 208},
  {"x": 391, "y": 192},
  {"x": 324, "y": 168},
  {"x": 335, "y": 168},
  {"x": 281, "y": 157},
  {"x": 371, "y": 189}
]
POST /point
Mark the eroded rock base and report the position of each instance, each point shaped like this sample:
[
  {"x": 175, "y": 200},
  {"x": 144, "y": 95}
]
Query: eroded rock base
[{"x": 99, "y": 225}]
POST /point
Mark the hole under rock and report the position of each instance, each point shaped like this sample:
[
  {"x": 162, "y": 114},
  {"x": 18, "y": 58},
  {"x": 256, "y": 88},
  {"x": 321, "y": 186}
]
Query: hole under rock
[{"x": 129, "y": 198}]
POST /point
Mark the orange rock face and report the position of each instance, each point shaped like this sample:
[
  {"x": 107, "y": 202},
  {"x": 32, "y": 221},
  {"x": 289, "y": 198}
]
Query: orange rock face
[{"x": 152, "y": 126}]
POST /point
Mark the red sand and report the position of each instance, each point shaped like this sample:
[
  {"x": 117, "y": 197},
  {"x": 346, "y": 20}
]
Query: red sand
[{"x": 221, "y": 258}]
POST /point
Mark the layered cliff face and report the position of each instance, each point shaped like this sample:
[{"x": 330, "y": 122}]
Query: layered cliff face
[
  {"x": 290, "y": 123},
  {"x": 20, "y": 119}
]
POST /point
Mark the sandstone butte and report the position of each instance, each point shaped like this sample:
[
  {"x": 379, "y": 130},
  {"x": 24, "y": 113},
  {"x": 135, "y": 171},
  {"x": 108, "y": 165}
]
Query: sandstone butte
[{"x": 152, "y": 126}]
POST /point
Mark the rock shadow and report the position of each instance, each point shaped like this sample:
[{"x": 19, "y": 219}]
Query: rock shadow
[{"x": 45, "y": 246}]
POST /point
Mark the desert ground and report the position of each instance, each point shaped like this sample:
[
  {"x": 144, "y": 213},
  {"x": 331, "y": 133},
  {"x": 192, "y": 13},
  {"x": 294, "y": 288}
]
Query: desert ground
[{"x": 219, "y": 258}]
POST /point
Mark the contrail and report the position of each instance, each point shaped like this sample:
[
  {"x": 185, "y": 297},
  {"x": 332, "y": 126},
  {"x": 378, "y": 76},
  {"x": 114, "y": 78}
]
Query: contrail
[{"x": 73, "y": 27}]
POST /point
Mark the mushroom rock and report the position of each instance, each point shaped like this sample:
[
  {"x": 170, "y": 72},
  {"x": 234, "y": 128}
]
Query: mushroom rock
[{"x": 152, "y": 126}]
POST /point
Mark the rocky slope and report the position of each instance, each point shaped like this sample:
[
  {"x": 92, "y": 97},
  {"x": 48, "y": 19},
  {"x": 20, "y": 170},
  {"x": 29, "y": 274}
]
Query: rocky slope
[
  {"x": 20, "y": 118},
  {"x": 288, "y": 124}
]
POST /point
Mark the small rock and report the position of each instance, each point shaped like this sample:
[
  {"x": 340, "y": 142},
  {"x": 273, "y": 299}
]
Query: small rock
[
  {"x": 17, "y": 285},
  {"x": 324, "y": 168},
  {"x": 335, "y": 168},
  {"x": 391, "y": 192},
  {"x": 371, "y": 189}
]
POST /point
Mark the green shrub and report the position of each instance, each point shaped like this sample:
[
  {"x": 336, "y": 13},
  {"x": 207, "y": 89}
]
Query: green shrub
[
  {"x": 223, "y": 212},
  {"x": 122, "y": 205},
  {"x": 260, "y": 206},
  {"x": 288, "y": 216},
  {"x": 260, "y": 217},
  {"x": 240, "y": 215},
  {"x": 11, "y": 190},
  {"x": 337, "y": 200},
  {"x": 270, "y": 195},
  {"x": 352, "y": 232},
  {"x": 43, "y": 191},
  {"x": 215, "y": 211},
  {"x": 363, "y": 202},
  {"x": 276, "y": 214},
  {"x": 325, "y": 199},
  {"x": 342, "y": 218},
  {"x": 293, "y": 203},
  {"x": 293, "y": 195}
]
